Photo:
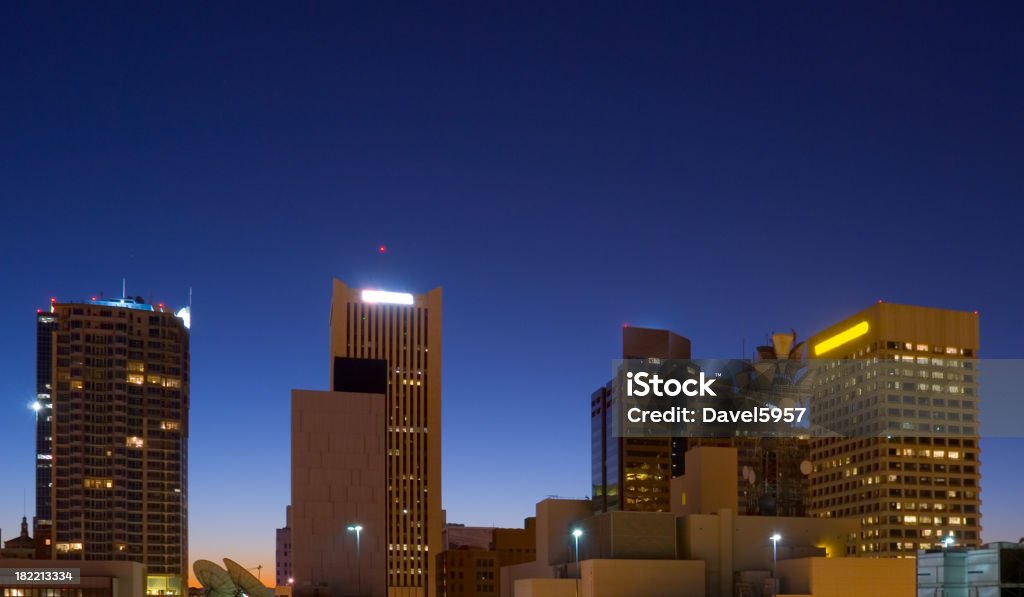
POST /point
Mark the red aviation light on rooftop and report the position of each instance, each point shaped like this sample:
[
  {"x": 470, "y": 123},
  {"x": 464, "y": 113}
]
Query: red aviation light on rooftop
[{"x": 382, "y": 249}]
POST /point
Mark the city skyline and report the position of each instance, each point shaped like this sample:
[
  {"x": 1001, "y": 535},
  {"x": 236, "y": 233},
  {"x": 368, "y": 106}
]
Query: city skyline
[{"x": 559, "y": 172}]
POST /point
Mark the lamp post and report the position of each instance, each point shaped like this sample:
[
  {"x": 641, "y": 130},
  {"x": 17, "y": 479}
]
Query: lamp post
[
  {"x": 576, "y": 534},
  {"x": 949, "y": 541},
  {"x": 775, "y": 562},
  {"x": 358, "y": 529}
]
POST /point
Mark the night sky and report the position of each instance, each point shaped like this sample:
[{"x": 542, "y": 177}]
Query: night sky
[{"x": 721, "y": 171}]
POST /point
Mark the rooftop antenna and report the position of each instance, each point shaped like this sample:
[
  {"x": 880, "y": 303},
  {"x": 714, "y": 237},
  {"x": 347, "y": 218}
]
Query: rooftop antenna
[
  {"x": 124, "y": 288},
  {"x": 190, "y": 298}
]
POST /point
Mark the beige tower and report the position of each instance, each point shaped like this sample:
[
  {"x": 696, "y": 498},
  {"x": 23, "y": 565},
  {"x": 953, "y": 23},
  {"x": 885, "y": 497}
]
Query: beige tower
[
  {"x": 900, "y": 385},
  {"x": 405, "y": 331}
]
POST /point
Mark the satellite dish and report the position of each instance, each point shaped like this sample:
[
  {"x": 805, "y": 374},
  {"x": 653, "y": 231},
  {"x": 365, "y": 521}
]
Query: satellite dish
[
  {"x": 753, "y": 477},
  {"x": 805, "y": 467},
  {"x": 249, "y": 584},
  {"x": 746, "y": 473},
  {"x": 215, "y": 580}
]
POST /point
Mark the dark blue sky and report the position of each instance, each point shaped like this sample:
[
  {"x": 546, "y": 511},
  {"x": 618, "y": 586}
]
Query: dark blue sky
[{"x": 722, "y": 171}]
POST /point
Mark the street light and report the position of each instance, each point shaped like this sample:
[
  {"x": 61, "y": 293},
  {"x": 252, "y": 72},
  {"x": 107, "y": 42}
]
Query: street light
[
  {"x": 775, "y": 562},
  {"x": 358, "y": 529},
  {"x": 576, "y": 534},
  {"x": 949, "y": 541}
]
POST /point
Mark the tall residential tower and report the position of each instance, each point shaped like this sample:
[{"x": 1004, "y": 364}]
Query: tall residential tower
[{"x": 118, "y": 435}]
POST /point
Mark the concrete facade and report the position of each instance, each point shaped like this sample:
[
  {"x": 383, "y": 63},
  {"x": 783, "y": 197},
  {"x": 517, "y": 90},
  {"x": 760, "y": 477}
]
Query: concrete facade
[{"x": 338, "y": 480}]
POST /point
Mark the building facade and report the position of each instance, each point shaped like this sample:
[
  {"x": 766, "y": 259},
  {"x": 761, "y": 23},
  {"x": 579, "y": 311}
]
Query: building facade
[
  {"x": 338, "y": 528},
  {"x": 898, "y": 386},
  {"x": 473, "y": 557},
  {"x": 283, "y": 553},
  {"x": 404, "y": 332},
  {"x": 633, "y": 473},
  {"x": 118, "y": 427}
]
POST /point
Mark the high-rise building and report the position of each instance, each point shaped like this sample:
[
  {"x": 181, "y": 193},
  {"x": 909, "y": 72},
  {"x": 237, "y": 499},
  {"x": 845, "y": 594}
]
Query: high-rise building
[
  {"x": 118, "y": 423},
  {"x": 633, "y": 473},
  {"x": 46, "y": 325},
  {"x": 898, "y": 384},
  {"x": 404, "y": 332}
]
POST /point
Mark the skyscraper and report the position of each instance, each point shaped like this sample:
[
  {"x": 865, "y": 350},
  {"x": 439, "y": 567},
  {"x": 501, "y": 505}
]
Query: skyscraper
[
  {"x": 46, "y": 325},
  {"x": 119, "y": 372},
  {"x": 899, "y": 384},
  {"x": 404, "y": 331},
  {"x": 633, "y": 473}
]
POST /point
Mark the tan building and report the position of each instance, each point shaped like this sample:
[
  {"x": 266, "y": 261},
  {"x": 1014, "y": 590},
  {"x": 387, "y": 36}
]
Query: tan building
[
  {"x": 119, "y": 414},
  {"x": 338, "y": 484},
  {"x": 473, "y": 557},
  {"x": 404, "y": 332},
  {"x": 899, "y": 384}
]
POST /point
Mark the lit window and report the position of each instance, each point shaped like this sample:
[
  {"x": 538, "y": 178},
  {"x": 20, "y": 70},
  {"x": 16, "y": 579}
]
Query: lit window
[
  {"x": 134, "y": 442},
  {"x": 169, "y": 425},
  {"x": 136, "y": 378},
  {"x": 136, "y": 366}
]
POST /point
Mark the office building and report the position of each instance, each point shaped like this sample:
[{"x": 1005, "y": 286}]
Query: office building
[
  {"x": 118, "y": 414},
  {"x": 898, "y": 385},
  {"x": 385, "y": 388},
  {"x": 632, "y": 473}
]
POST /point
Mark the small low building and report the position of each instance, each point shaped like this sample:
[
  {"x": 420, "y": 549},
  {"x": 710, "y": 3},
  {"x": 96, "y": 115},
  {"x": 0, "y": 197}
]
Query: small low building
[
  {"x": 95, "y": 577},
  {"x": 22, "y": 546},
  {"x": 994, "y": 570}
]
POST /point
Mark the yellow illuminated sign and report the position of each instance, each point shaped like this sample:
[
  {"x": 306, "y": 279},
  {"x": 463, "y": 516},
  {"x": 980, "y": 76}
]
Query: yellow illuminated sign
[{"x": 841, "y": 338}]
